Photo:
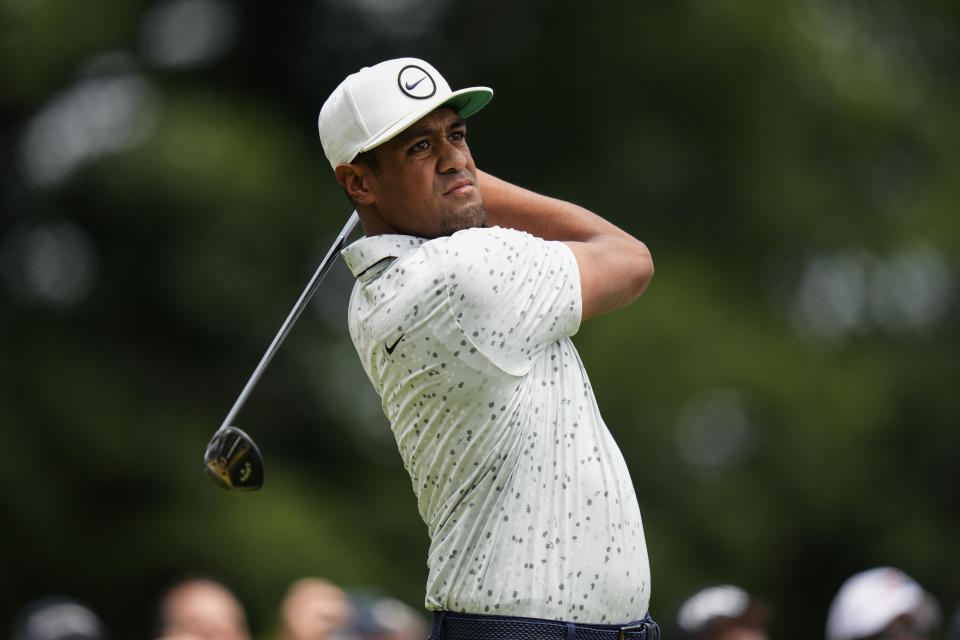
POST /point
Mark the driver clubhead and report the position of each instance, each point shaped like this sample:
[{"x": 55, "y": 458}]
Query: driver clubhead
[{"x": 233, "y": 461}]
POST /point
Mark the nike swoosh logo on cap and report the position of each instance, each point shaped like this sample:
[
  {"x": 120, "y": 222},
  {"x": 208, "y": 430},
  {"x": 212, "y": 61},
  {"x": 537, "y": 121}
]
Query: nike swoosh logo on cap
[{"x": 410, "y": 87}]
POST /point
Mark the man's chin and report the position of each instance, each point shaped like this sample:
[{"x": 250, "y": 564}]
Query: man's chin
[{"x": 468, "y": 217}]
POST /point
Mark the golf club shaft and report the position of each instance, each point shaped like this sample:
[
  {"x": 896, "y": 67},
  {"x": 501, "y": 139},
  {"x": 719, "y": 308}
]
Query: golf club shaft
[{"x": 298, "y": 308}]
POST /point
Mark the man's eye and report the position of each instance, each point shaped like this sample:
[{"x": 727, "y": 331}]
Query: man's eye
[
  {"x": 423, "y": 145},
  {"x": 458, "y": 135}
]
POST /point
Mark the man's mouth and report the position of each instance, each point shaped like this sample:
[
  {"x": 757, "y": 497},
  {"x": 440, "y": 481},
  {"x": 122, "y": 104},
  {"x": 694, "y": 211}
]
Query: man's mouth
[{"x": 459, "y": 187}]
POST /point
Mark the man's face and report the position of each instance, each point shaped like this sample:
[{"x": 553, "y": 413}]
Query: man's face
[{"x": 427, "y": 182}]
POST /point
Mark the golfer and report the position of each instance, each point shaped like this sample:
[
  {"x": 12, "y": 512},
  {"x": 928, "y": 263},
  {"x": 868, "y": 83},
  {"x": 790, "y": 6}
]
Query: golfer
[{"x": 468, "y": 290}]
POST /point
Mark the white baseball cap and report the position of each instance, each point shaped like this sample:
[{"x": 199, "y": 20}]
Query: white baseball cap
[
  {"x": 376, "y": 103},
  {"x": 870, "y": 600},
  {"x": 59, "y": 618},
  {"x": 717, "y": 603}
]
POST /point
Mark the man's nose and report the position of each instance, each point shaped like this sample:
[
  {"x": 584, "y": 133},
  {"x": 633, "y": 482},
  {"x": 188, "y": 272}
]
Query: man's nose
[{"x": 452, "y": 158}]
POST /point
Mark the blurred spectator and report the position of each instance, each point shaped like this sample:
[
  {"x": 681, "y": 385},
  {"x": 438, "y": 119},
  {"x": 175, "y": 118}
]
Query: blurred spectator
[
  {"x": 721, "y": 612},
  {"x": 386, "y": 619},
  {"x": 314, "y": 609},
  {"x": 882, "y": 603},
  {"x": 202, "y": 609},
  {"x": 58, "y": 618}
]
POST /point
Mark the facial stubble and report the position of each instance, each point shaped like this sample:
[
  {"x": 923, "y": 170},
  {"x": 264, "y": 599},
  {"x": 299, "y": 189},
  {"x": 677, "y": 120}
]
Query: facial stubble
[{"x": 472, "y": 215}]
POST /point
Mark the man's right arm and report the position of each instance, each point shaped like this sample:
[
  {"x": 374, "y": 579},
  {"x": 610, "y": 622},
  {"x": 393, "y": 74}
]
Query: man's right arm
[{"x": 615, "y": 268}]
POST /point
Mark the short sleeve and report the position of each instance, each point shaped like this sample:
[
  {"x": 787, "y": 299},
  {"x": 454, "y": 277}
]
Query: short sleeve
[{"x": 511, "y": 294}]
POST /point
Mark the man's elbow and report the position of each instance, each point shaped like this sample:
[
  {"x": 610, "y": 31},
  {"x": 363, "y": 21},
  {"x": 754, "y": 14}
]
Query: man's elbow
[
  {"x": 612, "y": 275},
  {"x": 641, "y": 269}
]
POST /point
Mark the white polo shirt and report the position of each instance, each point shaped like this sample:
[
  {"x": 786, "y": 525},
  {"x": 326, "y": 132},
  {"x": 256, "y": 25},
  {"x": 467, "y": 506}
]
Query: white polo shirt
[{"x": 529, "y": 506}]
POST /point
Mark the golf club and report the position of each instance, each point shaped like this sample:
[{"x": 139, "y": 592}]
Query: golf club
[{"x": 232, "y": 460}]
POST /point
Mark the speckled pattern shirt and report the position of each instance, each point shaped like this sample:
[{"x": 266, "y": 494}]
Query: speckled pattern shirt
[{"x": 528, "y": 502}]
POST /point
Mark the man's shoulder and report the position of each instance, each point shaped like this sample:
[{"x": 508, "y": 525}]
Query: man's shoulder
[
  {"x": 472, "y": 257},
  {"x": 480, "y": 241},
  {"x": 491, "y": 234}
]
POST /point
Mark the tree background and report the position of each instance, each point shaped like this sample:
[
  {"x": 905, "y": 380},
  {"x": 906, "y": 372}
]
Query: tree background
[{"x": 784, "y": 393}]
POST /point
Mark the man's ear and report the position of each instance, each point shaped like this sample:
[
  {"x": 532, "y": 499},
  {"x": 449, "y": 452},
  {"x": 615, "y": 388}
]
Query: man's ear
[{"x": 353, "y": 179}]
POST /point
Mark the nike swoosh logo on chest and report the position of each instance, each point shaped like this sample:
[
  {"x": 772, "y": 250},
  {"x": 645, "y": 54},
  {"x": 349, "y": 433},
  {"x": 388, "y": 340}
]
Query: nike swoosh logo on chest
[{"x": 393, "y": 346}]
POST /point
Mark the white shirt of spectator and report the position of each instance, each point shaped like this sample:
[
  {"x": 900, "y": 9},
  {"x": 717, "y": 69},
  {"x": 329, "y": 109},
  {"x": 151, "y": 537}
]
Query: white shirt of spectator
[{"x": 528, "y": 502}]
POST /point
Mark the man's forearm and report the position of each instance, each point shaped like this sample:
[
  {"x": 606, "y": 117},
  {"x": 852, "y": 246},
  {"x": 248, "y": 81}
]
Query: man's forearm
[{"x": 549, "y": 218}]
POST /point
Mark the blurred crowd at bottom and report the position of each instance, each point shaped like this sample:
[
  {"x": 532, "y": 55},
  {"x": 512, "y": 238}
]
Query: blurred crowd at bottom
[{"x": 882, "y": 603}]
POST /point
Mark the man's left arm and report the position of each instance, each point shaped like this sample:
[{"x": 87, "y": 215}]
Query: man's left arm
[{"x": 615, "y": 268}]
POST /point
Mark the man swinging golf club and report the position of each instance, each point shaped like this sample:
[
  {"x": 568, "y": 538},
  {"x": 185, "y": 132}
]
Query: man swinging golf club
[{"x": 468, "y": 290}]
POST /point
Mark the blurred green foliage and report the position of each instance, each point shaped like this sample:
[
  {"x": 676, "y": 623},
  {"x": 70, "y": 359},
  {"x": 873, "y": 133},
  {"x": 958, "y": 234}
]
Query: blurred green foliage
[{"x": 784, "y": 394}]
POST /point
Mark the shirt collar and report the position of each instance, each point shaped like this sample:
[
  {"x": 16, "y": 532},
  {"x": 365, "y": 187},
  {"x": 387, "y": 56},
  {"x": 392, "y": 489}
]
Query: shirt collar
[{"x": 366, "y": 252}]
